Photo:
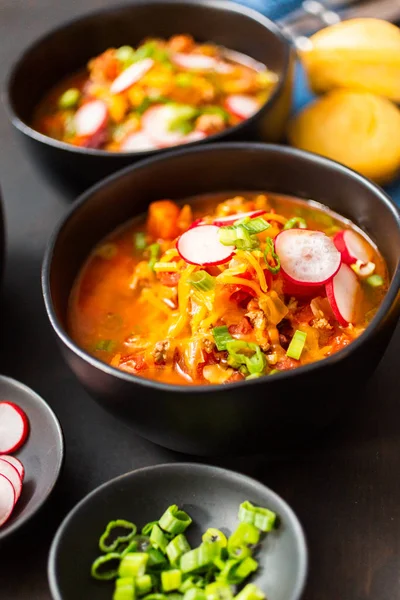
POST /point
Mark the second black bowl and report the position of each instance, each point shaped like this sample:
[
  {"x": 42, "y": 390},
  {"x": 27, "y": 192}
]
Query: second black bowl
[
  {"x": 265, "y": 413},
  {"x": 68, "y": 49}
]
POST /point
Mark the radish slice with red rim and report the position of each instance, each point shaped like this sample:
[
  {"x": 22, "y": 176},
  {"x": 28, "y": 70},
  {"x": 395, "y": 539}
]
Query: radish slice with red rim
[
  {"x": 137, "y": 142},
  {"x": 131, "y": 75},
  {"x": 90, "y": 118},
  {"x": 242, "y": 106},
  {"x": 16, "y": 463},
  {"x": 7, "y": 499},
  {"x": 229, "y": 220},
  {"x": 156, "y": 122},
  {"x": 12, "y": 474},
  {"x": 352, "y": 247},
  {"x": 14, "y": 427},
  {"x": 302, "y": 291},
  {"x": 195, "y": 62},
  {"x": 307, "y": 257},
  {"x": 343, "y": 291},
  {"x": 201, "y": 246}
]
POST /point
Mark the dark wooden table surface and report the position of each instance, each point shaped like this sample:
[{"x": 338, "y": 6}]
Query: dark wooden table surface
[{"x": 346, "y": 489}]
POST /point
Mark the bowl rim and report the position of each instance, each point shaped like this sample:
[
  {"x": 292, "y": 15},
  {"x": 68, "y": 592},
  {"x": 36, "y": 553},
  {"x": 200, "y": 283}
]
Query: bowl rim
[
  {"x": 199, "y": 468},
  {"x": 225, "y": 5},
  {"x": 388, "y": 302},
  {"x": 44, "y": 407}
]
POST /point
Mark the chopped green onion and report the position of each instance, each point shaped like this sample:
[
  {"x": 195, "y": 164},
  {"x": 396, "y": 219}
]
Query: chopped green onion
[
  {"x": 215, "y": 536},
  {"x": 133, "y": 564},
  {"x": 218, "y": 591},
  {"x": 257, "y": 225},
  {"x": 98, "y": 572},
  {"x": 129, "y": 527},
  {"x": 191, "y": 582},
  {"x": 146, "y": 530},
  {"x": 140, "y": 240},
  {"x": 158, "y": 539},
  {"x": 199, "y": 558},
  {"x": 127, "y": 548},
  {"x": 171, "y": 580},
  {"x": 175, "y": 596},
  {"x": 270, "y": 249},
  {"x": 178, "y": 546},
  {"x": 296, "y": 345},
  {"x": 182, "y": 116},
  {"x": 155, "y": 597},
  {"x": 250, "y": 592},
  {"x": 174, "y": 520},
  {"x": 221, "y": 337},
  {"x": 246, "y": 568},
  {"x": 237, "y": 235},
  {"x": 69, "y": 99},
  {"x": 254, "y": 376},
  {"x": 154, "y": 250},
  {"x": 143, "y": 585},
  {"x": 195, "y": 594},
  {"x": 215, "y": 110},
  {"x": 105, "y": 346},
  {"x": 124, "y": 589},
  {"x": 157, "y": 559},
  {"x": 374, "y": 281},
  {"x": 246, "y": 533},
  {"x": 297, "y": 222},
  {"x": 228, "y": 573},
  {"x": 125, "y": 54},
  {"x": 203, "y": 281},
  {"x": 106, "y": 251},
  {"x": 247, "y": 354},
  {"x": 262, "y": 518}
]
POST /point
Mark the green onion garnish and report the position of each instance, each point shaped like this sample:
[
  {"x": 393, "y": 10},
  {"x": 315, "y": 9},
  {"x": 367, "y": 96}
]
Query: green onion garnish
[
  {"x": 202, "y": 281},
  {"x": 215, "y": 110},
  {"x": 270, "y": 249},
  {"x": 111, "y": 561},
  {"x": 158, "y": 539},
  {"x": 250, "y": 592},
  {"x": 239, "y": 236},
  {"x": 218, "y": 591},
  {"x": 140, "y": 240},
  {"x": 143, "y": 585},
  {"x": 146, "y": 530},
  {"x": 195, "y": 594},
  {"x": 296, "y": 345},
  {"x": 298, "y": 222},
  {"x": 199, "y": 558},
  {"x": 171, "y": 580},
  {"x": 133, "y": 564},
  {"x": 177, "y": 546},
  {"x": 257, "y": 225},
  {"x": 221, "y": 337},
  {"x": 247, "y": 354},
  {"x": 125, "y": 54},
  {"x": 127, "y": 527},
  {"x": 184, "y": 80},
  {"x": 69, "y": 99},
  {"x": 105, "y": 346},
  {"x": 154, "y": 250},
  {"x": 374, "y": 281},
  {"x": 174, "y": 520},
  {"x": 262, "y": 518},
  {"x": 215, "y": 536},
  {"x": 125, "y": 589},
  {"x": 157, "y": 559},
  {"x": 192, "y": 581}
]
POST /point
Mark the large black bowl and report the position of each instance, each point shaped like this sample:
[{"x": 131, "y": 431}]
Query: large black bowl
[
  {"x": 252, "y": 415},
  {"x": 69, "y": 48},
  {"x": 210, "y": 495}
]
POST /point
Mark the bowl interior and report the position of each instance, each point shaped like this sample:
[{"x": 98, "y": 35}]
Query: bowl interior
[
  {"x": 41, "y": 455},
  {"x": 69, "y": 48},
  {"x": 216, "y": 168},
  {"x": 210, "y": 495}
]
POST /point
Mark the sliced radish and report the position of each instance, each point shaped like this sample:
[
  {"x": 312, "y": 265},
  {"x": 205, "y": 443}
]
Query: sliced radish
[
  {"x": 16, "y": 463},
  {"x": 14, "y": 427},
  {"x": 224, "y": 68},
  {"x": 307, "y": 257},
  {"x": 232, "y": 218},
  {"x": 197, "y": 223},
  {"x": 90, "y": 118},
  {"x": 7, "y": 499},
  {"x": 131, "y": 75},
  {"x": 241, "y": 105},
  {"x": 352, "y": 247},
  {"x": 139, "y": 142},
  {"x": 302, "y": 291},
  {"x": 201, "y": 246},
  {"x": 342, "y": 292},
  {"x": 12, "y": 474},
  {"x": 156, "y": 122},
  {"x": 196, "y": 62}
]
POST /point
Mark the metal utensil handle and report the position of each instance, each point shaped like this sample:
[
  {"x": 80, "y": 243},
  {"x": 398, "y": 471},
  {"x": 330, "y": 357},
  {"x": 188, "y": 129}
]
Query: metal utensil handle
[{"x": 314, "y": 15}]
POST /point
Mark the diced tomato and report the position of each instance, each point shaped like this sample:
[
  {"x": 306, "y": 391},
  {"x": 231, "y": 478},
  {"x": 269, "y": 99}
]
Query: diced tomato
[
  {"x": 133, "y": 363},
  {"x": 242, "y": 298},
  {"x": 286, "y": 364},
  {"x": 106, "y": 66},
  {"x": 304, "y": 314},
  {"x": 241, "y": 293},
  {"x": 235, "y": 377},
  {"x": 212, "y": 270},
  {"x": 242, "y": 328},
  {"x": 338, "y": 343},
  {"x": 169, "y": 279},
  {"x": 162, "y": 221}
]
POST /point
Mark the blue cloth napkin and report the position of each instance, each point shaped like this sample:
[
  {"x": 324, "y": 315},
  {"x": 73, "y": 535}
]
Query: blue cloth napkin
[{"x": 276, "y": 9}]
